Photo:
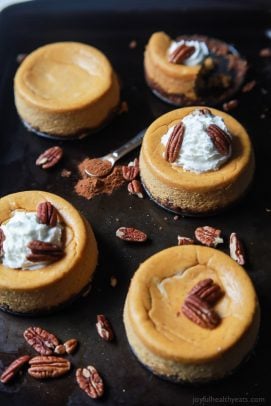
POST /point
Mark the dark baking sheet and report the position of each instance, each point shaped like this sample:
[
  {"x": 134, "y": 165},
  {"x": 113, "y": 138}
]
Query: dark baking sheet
[{"x": 22, "y": 29}]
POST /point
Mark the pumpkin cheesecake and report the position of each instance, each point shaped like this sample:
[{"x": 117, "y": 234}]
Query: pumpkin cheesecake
[
  {"x": 66, "y": 90},
  {"x": 191, "y": 314},
  {"x": 192, "y": 69},
  {"x": 196, "y": 161},
  {"x": 48, "y": 252}
]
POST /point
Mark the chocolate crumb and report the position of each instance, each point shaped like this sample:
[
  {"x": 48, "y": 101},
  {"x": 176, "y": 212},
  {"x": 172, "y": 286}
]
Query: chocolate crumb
[
  {"x": 265, "y": 53},
  {"x": 230, "y": 105},
  {"x": 98, "y": 167},
  {"x": 123, "y": 107},
  {"x": 113, "y": 281},
  {"x": 133, "y": 44},
  {"x": 65, "y": 173}
]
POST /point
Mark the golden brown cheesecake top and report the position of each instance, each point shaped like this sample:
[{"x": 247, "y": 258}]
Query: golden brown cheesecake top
[
  {"x": 158, "y": 291},
  {"x": 74, "y": 240},
  {"x": 175, "y": 176},
  {"x": 63, "y": 76}
]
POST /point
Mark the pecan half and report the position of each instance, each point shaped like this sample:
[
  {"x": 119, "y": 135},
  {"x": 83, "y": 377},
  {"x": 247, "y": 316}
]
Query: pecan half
[
  {"x": 71, "y": 345},
  {"x": 208, "y": 291},
  {"x": 181, "y": 53},
  {"x": 47, "y": 214},
  {"x": 13, "y": 368},
  {"x": 41, "y": 340},
  {"x": 44, "y": 251},
  {"x": 184, "y": 240},
  {"x": 130, "y": 172},
  {"x": 200, "y": 313},
  {"x": 230, "y": 105},
  {"x": 43, "y": 367},
  {"x": 90, "y": 381},
  {"x": 135, "y": 188},
  {"x": 205, "y": 111},
  {"x": 208, "y": 236},
  {"x": 60, "y": 349},
  {"x": 2, "y": 239},
  {"x": 236, "y": 249},
  {"x": 220, "y": 139},
  {"x": 104, "y": 328},
  {"x": 131, "y": 234},
  {"x": 249, "y": 86},
  {"x": 174, "y": 143},
  {"x": 50, "y": 157}
]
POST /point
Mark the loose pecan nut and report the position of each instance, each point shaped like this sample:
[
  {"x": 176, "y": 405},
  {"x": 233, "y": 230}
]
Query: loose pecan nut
[
  {"x": 205, "y": 111},
  {"x": 249, "y": 86},
  {"x": 104, "y": 328},
  {"x": 71, "y": 345},
  {"x": 44, "y": 251},
  {"x": 43, "y": 367},
  {"x": 174, "y": 143},
  {"x": 13, "y": 368},
  {"x": 135, "y": 188},
  {"x": 50, "y": 157},
  {"x": 236, "y": 249},
  {"x": 135, "y": 162},
  {"x": 208, "y": 236},
  {"x": 41, "y": 340},
  {"x": 181, "y": 53},
  {"x": 208, "y": 291},
  {"x": 200, "y": 313},
  {"x": 230, "y": 105},
  {"x": 130, "y": 172},
  {"x": 2, "y": 239},
  {"x": 220, "y": 139},
  {"x": 131, "y": 234},
  {"x": 265, "y": 53},
  {"x": 90, "y": 381},
  {"x": 184, "y": 240},
  {"x": 60, "y": 349},
  {"x": 47, "y": 214}
]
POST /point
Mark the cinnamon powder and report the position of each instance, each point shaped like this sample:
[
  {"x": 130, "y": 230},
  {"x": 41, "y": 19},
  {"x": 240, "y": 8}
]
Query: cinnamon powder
[{"x": 90, "y": 186}]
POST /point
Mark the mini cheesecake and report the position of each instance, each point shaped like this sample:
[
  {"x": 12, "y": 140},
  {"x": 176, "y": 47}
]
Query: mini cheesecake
[
  {"x": 66, "y": 89},
  {"x": 193, "y": 69},
  {"x": 182, "y": 348},
  {"x": 203, "y": 178},
  {"x": 49, "y": 275}
]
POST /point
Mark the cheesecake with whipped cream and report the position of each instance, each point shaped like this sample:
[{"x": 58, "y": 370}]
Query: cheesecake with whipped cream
[
  {"x": 196, "y": 161},
  {"x": 193, "y": 69},
  {"x": 48, "y": 252},
  {"x": 177, "y": 327},
  {"x": 66, "y": 90}
]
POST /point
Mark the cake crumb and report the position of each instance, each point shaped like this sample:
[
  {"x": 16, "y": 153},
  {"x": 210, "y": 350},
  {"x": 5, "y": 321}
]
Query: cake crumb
[
  {"x": 176, "y": 218},
  {"x": 65, "y": 173},
  {"x": 113, "y": 281},
  {"x": 124, "y": 108},
  {"x": 133, "y": 44}
]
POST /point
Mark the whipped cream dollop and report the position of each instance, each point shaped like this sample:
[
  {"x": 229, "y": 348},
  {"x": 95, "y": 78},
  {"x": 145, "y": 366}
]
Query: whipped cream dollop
[
  {"x": 198, "y": 153},
  {"x": 19, "y": 230},
  {"x": 200, "y": 53}
]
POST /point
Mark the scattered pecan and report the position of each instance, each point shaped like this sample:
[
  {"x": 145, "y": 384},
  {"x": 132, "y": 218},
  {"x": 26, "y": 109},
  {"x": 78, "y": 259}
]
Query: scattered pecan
[
  {"x": 50, "y": 157},
  {"x": 60, "y": 349},
  {"x": 13, "y": 368},
  {"x": 181, "y": 53},
  {"x": 184, "y": 240},
  {"x": 71, "y": 345},
  {"x": 135, "y": 162},
  {"x": 208, "y": 236},
  {"x": 174, "y": 143},
  {"x": 90, "y": 381},
  {"x": 199, "y": 312},
  {"x": 44, "y": 251},
  {"x": 208, "y": 291},
  {"x": 205, "y": 111},
  {"x": 41, "y": 340},
  {"x": 236, "y": 249},
  {"x": 130, "y": 172},
  {"x": 265, "y": 52},
  {"x": 46, "y": 366},
  {"x": 104, "y": 328},
  {"x": 249, "y": 86},
  {"x": 135, "y": 188},
  {"x": 47, "y": 214},
  {"x": 131, "y": 234},
  {"x": 230, "y": 105},
  {"x": 2, "y": 239},
  {"x": 220, "y": 139}
]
